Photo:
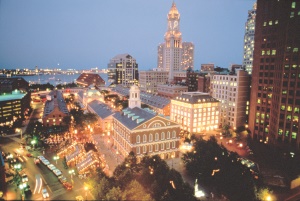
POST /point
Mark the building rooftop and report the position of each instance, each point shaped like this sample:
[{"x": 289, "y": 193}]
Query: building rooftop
[
  {"x": 15, "y": 95},
  {"x": 195, "y": 97},
  {"x": 131, "y": 118},
  {"x": 57, "y": 100},
  {"x": 88, "y": 79},
  {"x": 146, "y": 98},
  {"x": 101, "y": 109}
]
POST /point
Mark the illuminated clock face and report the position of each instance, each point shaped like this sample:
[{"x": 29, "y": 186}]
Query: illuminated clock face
[{"x": 175, "y": 24}]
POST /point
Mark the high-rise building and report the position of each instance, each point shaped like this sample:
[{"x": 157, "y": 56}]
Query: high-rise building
[
  {"x": 149, "y": 80},
  {"x": 232, "y": 91},
  {"x": 123, "y": 69},
  {"x": 173, "y": 54},
  {"x": 249, "y": 40},
  {"x": 275, "y": 90},
  {"x": 187, "y": 57}
]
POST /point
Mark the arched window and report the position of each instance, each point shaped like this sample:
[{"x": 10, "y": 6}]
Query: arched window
[
  {"x": 150, "y": 137},
  {"x": 156, "y": 136},
  {"x": 168, "y": 135},
  {"x": 138, "y": 150},
  {"x": 144, "y": 138},
  {"x": 150, "y": 148},
  {"x": 144, "y": 149},
  {"x": 156, "y": 147},
  {"x": 173, "y": 134},
  {"x": 162, "y": 146},
  {"x": 173, "y": 144},
  {"x": 162, "y": 136},
  {"x": 138, "y": 139}
]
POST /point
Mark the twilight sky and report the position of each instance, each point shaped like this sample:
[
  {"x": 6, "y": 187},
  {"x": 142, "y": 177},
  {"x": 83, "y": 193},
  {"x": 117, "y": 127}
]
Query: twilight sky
[{"x": 84, "y": 34}]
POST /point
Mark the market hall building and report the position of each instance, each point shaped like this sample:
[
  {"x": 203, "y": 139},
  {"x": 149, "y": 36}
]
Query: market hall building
[{"x": 143, "y": 132}]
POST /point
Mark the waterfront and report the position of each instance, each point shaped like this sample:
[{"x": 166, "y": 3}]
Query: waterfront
[{"x": 56, "y": 79}]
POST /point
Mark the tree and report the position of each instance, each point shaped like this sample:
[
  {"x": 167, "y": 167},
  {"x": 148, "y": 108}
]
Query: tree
[
  {"x": 135, "y": 191},
  {"x": 90, "y": 118},
  {"x": 114, "y": 194},
  {"x": 264, "y": 194},
  {"x": 67, "y": 120}
]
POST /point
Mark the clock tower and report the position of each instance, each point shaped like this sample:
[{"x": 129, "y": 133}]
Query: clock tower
[{"x": 173, "y": 43}]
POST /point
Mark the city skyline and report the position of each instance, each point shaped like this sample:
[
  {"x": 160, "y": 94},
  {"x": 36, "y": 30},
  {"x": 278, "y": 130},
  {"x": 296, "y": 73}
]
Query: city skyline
[{"x": 73, "y": 34}]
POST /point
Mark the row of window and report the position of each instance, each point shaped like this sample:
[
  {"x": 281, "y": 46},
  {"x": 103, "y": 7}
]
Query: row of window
[
  {"x": 157, "y": 147},
  {"x": 162, "y": 137}
]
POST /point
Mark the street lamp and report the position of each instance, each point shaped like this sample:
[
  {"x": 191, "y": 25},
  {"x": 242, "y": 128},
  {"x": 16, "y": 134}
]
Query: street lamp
[
  {"x": 117, "y": 156},
  {"x": 56, "y": 158},
  {"x": 22, "y": 187},
  {"x": 19, "y": 130},
  {"x": 33, "y": 142},
  {"x": 86, "y": 189},
  {"x": 17, "y": 166}
]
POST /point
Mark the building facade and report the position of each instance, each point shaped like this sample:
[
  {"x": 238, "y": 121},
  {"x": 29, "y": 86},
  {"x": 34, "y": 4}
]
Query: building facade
[
  {"x": 13, "y": 106},
  {"x": 149, "y": 80},
  {"x": 55, "y": 109},
  {"x": 233, "y": 93},
  {"x": 173, "y": 54},
  {"x": 8, "y": 85},
  {"x": 206, "y": 68},
  {"x": 195, "y": 112},
  {"x": 249, "y": 40},
  {"x": 275, "y": 94},
  {"x": 171, "y": 90},
  {"x": 104, "y": 113},
  {"x": 204, "y": 83},
  {"x": 144, "y": 132},
  {"x": 123, "y": 69},
  {"x": 192, "y": 80}
]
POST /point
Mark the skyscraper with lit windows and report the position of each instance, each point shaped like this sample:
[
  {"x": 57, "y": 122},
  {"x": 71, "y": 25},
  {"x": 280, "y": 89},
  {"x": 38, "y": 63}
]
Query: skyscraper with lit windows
[
  {"x": 174, "y": 55},
  {"x": 275, "y": 90},
  {"x": 249, "y": 40}
]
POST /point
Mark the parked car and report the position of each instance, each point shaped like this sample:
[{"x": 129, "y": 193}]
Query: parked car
[
  {"x": 45, "y": 193},
  {"x": 67, "y": 185}
]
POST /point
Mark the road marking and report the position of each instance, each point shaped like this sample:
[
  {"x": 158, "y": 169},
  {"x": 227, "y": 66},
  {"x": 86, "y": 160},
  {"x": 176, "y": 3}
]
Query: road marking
[{"x": 38, "y": 184}]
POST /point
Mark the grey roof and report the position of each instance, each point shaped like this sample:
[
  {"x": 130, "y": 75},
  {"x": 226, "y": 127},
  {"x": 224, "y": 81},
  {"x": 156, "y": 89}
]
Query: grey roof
[
  {"x": 58, "y": 101},
  {"x": 101, "y": 109},
  {"x": 195, "y": 97},
  {"x": 146, "y": 98},
  {"x": 131, "y": 118}
]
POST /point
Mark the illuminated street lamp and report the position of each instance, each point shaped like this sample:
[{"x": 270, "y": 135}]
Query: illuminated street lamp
[
  {"x": 33, "y": 142},
  {"x": 17, "y": 166},
  {"x": 56, "y": 158},
  {"x": 86, "y": 190},
  {"x": 22, "y": 187},
  {"x": 19, "y": 130}
]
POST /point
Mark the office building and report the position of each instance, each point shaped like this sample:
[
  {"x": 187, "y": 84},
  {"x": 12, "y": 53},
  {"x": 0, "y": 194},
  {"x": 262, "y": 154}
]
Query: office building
[
  {"x": 123, "y": 69},
  {"x": 196, "y": 112},
  {"x": 173, "y": 54},
  {"x": 13, "y": 106},
  {"x": 149, "y": 80},
  {"x": 232, "y": 91},
  {"x": 275, "y": 94},
  {"x": 249, "y": 40}
]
